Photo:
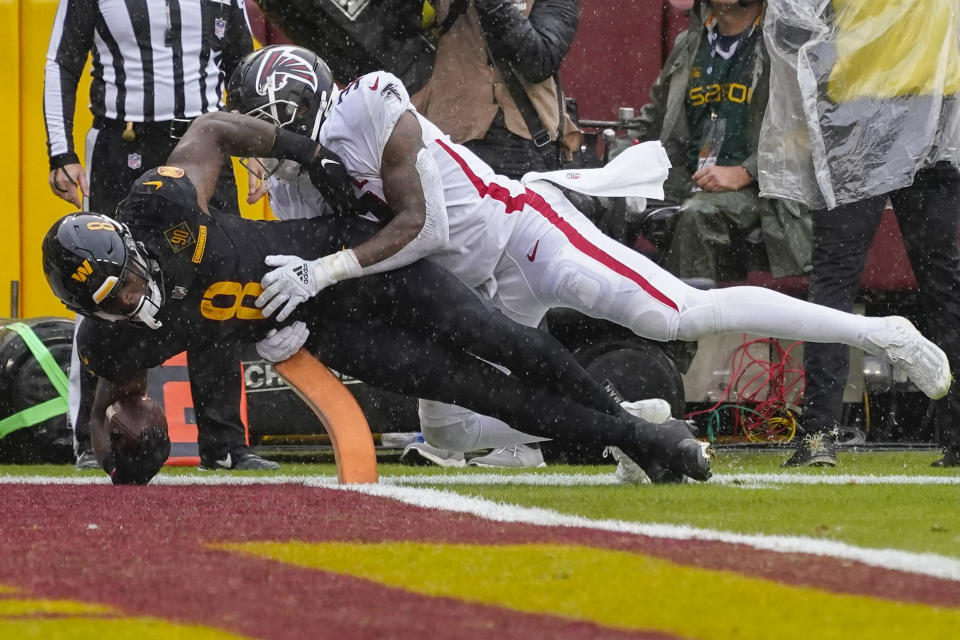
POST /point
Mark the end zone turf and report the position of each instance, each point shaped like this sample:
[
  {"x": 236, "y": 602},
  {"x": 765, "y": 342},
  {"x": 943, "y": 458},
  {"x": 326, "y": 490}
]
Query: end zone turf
[{"x": 276, "y": 560}]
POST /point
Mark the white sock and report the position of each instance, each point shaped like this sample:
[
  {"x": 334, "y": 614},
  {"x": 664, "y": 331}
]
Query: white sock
[{"x": 768, "y": 313}]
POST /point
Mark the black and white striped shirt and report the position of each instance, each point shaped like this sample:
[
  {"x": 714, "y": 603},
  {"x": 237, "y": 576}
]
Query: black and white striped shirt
[{"x": 153, "y": 61}]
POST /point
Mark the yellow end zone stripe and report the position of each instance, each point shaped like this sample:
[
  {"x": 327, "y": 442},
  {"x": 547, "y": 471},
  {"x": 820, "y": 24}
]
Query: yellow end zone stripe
[
  {"x": 112, "y": 628},
  {"x": 617, "y": 589},
  {"x": 31, "y": 618},
  {"x": 33, "y": 606}
]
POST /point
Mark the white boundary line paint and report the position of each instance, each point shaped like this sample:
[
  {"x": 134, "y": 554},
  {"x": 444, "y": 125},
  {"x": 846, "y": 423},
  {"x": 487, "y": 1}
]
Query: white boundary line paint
[
  {"x": 603, "y": 479},
  {"x": 482, "y": 479},
  {"x": 392, "y": 487}
]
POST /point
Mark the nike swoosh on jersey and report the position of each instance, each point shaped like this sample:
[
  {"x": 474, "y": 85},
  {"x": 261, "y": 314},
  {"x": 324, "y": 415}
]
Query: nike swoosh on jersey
[
  {"x": 326, "y": 161},
  {"x": 376, "y": 83},
  {"x": 533, "y": 254},
  {"x": 156, "y": 184}
]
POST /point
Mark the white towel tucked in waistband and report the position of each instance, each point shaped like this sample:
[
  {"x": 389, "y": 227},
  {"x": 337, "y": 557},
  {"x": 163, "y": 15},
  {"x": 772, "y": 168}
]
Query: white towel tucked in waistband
[{"x": 639, "y": 171}]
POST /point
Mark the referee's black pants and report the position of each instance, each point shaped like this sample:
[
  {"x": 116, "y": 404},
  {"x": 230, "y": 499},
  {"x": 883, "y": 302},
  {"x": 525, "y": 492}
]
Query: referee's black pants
[
  {"x": 928, "y": 213},
  {"x": 113, "y": 164}
]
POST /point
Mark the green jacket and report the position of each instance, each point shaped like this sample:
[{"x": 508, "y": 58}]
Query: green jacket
[{"x": 786, "y": 225}]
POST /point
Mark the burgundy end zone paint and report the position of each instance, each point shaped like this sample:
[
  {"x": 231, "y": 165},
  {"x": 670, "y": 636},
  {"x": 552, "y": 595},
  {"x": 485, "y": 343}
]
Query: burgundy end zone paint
[{"x": 147, "y": 556}]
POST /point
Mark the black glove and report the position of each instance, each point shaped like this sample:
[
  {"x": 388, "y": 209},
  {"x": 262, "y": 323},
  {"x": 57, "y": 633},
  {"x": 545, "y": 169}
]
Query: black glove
[
  {"x": 325, "y": 168},
  {"x": 331, "y": 179},
  {"x": 137, "y": 462}
]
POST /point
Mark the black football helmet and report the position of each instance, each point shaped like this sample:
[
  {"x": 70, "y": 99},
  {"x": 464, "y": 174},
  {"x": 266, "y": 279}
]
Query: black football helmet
[
  {"x": 287, "y": 85},
  {"x": 88, "y": 258}
]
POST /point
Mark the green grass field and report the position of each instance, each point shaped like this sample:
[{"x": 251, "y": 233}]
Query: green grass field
[{"x": 913, "y": 517}]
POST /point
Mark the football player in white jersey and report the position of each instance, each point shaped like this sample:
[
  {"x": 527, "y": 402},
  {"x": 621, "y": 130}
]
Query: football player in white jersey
[{"x": 523, "y": 245}]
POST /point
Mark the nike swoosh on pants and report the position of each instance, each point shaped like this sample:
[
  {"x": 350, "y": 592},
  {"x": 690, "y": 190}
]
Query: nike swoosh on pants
[{"x": 533, "y": 254}]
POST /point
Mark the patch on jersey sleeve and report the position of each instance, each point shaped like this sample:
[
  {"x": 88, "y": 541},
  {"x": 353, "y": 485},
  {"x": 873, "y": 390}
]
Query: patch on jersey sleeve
[
  {"x": 390, "y": 90},
  {"x": 179, "y": 237},
  {"x": 201, "y": 245},
  {"x": 170, "y": 172}
]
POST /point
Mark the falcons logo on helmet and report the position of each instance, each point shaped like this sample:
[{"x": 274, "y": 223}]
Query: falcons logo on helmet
[{"x": 282, "y": 66}]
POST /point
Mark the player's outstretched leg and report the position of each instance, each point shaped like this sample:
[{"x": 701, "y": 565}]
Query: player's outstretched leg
[
  {"x": 666, "y": 452},
  {"x": 765, "y": 312},
  {"x": 627, "y": 288}
]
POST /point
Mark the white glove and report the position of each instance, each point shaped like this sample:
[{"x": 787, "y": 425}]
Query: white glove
[
  {"x": 280, "y": 345},
  {"x": 295, "y": 279}
]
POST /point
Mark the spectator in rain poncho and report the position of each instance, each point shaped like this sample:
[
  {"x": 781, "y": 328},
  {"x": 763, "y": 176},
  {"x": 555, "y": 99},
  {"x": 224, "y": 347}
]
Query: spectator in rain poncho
[{"x": 863, "y": 108}]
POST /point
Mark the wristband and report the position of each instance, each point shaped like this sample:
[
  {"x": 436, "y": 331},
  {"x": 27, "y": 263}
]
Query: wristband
[
  {"x": 291, "y": 146},
  {"x": 342, "y": 265},
  {"x": 63, "y": 159}
]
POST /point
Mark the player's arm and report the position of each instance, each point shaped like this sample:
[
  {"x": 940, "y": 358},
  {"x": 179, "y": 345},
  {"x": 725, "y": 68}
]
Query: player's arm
[
  {"x": 214, "y": 136},
  {"x": 414, "y": 192},
  {"x": 412, "y": 188},
  {"x": 107, "y": 393}
]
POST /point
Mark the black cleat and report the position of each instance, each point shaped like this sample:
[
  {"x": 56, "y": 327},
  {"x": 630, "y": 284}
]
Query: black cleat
[
  {"x": 817, "y": 449},
  {"x": 241, "y": 458},
  {"x": 669, "y": 451},
  {"x": 951, "y": 458}
]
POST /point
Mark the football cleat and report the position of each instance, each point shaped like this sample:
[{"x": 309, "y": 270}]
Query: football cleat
[
  {"x": 669, "y": 451},
  {"x": 421, "y": 453},
  {"x": 242, "y": 458},
  {"x": 517, "y": 457},
  {"x": 628, "y": 471},
  {"x": 900, "y": 344}
]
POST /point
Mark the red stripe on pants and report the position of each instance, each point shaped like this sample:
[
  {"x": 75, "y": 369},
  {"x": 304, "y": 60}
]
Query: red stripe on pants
[{"x": 536, "y": 202}]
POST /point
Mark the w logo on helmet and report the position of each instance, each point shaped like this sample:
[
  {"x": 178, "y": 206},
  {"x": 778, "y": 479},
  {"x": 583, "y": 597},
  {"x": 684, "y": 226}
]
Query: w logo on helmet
[
  {"x": 84, "y": 270},
  {"x": 282, "y": 65}
]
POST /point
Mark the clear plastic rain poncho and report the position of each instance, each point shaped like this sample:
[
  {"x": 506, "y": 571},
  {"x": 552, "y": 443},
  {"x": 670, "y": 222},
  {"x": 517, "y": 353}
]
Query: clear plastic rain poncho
[{"x": 863, "y": 93}]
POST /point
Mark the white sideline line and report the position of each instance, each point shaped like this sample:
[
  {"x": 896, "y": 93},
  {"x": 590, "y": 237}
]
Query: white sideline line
[
  {"x": 842, "y": 479},
  {"x": 605, "y": 479},
  {"x": 393, "y": 487},
  {"x": 481, "y": 479}
]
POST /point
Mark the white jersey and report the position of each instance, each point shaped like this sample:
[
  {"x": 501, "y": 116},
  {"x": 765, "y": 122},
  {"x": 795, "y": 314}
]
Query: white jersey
[
  {"x": 293, "y": 196},
  {"x": 478, "y": 202}
]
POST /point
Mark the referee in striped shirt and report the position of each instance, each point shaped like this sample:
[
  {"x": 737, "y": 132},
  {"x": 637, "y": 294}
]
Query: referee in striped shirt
[{"x": 157, "y": 64}]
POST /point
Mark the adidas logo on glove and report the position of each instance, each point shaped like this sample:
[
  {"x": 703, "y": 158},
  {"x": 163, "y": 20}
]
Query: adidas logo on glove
[{"x": 303, "y": 272}]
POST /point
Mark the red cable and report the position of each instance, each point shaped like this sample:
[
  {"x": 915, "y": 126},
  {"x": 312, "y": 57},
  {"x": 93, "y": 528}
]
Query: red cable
[{"x": 782, "y": 379}]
